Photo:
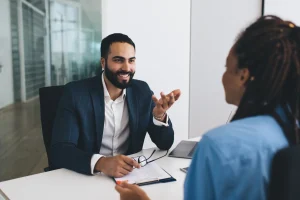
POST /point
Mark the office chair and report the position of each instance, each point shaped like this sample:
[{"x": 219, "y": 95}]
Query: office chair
[
  {"x": 285, "y": 175},
  {"x": 49, "y": 100}
]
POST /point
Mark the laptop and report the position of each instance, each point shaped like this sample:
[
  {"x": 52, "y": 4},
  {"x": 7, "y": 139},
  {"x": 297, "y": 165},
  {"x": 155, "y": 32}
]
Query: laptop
[{"x": 185, "y": 149}]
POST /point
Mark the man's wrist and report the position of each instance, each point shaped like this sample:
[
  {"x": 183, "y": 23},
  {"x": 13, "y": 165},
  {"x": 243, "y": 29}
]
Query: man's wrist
[
  {"x": 161, "y": 118},
  {"x": 99, "y": 165}
]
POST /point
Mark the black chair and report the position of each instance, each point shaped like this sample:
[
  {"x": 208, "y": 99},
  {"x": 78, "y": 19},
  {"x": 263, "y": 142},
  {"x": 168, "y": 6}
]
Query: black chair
[
  {"x": 285, "y": 175},
  {"x": 49, "y": 100}
]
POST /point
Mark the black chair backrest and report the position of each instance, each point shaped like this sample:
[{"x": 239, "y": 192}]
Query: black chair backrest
[
  {"x": 49, "y": 100},
  {"x": 285, "y": 175}
]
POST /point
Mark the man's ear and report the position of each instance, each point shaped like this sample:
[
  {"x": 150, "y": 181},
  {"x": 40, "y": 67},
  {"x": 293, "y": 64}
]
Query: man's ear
[
  {"x": 102, "y": 61},
  {"x": 244, "y": 75}
]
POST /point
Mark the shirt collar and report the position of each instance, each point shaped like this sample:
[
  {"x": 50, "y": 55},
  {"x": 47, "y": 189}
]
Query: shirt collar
[{"x": 106, "y": 94}]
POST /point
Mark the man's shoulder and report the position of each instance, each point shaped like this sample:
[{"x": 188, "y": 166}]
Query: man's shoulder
[{"x": 140, "y": 85}]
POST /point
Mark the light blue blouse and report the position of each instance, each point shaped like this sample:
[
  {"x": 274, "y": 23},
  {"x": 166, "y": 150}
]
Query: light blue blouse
[{"x": 233, "y": 161}]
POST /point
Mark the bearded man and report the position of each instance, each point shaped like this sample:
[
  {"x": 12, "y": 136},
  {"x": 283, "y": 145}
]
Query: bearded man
[{"x": 102, "y": 119}]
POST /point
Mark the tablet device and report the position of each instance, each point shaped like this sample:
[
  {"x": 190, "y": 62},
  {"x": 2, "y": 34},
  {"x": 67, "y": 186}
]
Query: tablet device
[{"x": 185, "y": 149}]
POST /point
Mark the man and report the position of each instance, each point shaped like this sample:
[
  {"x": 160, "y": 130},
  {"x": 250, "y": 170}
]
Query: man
[{"x": 102, "y": 118}]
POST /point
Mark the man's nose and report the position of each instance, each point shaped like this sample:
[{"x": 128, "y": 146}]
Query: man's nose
[{"x": 126, "y": 66}]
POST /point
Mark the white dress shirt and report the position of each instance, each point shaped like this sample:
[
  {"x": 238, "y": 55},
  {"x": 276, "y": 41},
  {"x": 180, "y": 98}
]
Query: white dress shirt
[{"x": 116, "y": 127}]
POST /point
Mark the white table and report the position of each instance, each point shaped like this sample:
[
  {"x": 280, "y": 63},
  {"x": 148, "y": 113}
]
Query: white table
[{"x": 66, "y": 184}]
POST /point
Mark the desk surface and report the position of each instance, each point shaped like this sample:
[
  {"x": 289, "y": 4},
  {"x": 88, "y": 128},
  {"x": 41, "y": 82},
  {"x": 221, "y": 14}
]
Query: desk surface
[{"x": 66, "y": 184}]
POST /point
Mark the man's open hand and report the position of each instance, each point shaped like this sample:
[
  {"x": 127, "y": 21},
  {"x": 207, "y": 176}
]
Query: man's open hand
[{"x": 164, "y": 103}]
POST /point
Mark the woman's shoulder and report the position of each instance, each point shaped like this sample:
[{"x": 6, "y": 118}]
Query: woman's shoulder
[
  {"x": 246, "y": 135},
  {"x": 251, "y": 126}
]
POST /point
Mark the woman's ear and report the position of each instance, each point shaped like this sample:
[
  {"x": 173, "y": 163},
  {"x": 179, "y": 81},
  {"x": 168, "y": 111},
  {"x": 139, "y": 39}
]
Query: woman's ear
[{"x": 244, "y": 75}]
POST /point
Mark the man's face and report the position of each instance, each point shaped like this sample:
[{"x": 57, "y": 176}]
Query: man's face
[{"x": 119, "y": 67}]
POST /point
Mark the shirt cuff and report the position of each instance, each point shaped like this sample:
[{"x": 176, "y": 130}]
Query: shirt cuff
[
  {"x": 94, "y": 160},
  {"x": 159, "y": 123}
]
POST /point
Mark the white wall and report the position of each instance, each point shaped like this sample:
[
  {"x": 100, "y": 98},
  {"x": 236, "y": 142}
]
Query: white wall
[
  {"x": 161, "y": 32},
  {"x": 6, "y": 78},
  {"x": 286, "y": 9},
  {"x": 214, "y": 27}
]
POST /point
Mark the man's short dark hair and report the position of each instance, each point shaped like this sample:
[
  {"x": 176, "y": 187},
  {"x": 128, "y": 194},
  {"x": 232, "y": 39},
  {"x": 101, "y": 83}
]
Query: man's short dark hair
[{"x": 110, "y": 39}]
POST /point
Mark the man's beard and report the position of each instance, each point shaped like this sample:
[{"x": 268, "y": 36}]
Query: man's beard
[{"x": 113, "y": 77}]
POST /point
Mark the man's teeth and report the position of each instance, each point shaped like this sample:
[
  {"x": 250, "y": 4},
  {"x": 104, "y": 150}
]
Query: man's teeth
[{"x": 124, "y": 75}]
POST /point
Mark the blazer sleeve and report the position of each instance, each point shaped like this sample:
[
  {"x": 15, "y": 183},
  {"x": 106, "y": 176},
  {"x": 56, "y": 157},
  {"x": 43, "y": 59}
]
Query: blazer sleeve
[
  {"x": 64, "y": 152},
  {"x": 162, "y": 136}
]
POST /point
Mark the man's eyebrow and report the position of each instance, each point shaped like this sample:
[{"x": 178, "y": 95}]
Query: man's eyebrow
[{"x": 120, "y": 57}]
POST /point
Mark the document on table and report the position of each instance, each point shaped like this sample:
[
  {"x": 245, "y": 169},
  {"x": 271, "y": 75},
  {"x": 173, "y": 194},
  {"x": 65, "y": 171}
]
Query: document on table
[{"x": 149, "y": 174}]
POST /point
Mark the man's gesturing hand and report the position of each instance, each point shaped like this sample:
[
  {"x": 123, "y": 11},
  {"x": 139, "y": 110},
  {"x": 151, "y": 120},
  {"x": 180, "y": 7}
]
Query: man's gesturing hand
[{"x": 164, "y": 103}]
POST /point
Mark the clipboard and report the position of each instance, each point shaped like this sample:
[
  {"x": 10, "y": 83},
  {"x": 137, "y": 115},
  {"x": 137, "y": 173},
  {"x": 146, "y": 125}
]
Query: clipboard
[
  {"x": 141, "y": 176},
  {"x": 165, "y": 180}
]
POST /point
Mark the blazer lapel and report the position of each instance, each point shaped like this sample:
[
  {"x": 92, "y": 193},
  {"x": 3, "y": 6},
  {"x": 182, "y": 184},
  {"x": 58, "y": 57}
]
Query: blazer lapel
[
  {"x": 132, "y": 103},
  {"x": 97, "y": 95}
]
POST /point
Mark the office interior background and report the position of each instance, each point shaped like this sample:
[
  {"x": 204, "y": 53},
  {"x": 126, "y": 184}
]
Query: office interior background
[{"x": 179, "y": 44}]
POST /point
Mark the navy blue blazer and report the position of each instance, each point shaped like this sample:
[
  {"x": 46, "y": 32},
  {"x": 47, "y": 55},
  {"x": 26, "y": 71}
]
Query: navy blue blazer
[{"x": 79, "y": 122}]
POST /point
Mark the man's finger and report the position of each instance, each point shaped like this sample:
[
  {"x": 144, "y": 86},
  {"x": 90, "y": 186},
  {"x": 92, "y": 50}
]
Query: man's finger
[
  {"x": 127, "y": 167},
  {"x": 176, "y": 93},
  {"x": 161, "y": 101},
  {"x": 120, "y": 172},
  {"x": 172, "y": 100},
  {"x": 177, "y": 97},
  {"x": 131, "y": 161},
  {"x": 156, "y": 101},
  {"x": 165, "y": 101},
  {"x": 123, "y": 171}
]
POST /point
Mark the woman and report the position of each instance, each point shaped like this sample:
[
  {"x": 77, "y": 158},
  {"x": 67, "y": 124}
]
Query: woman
[{"x": 262, "y": 78}]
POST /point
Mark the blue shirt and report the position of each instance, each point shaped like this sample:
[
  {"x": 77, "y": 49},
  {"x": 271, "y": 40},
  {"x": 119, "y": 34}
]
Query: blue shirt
[{"x": 233, "y": 161}]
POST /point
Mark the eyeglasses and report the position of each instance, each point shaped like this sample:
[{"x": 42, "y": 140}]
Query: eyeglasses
[{"x": 143, "y": 161}]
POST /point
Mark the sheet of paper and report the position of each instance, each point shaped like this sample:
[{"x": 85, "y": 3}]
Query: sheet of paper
[{"x": 150, "y": 172}]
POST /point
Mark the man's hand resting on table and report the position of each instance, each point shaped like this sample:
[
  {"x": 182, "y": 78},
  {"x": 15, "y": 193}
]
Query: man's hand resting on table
[{"x": 116, "y": 166}]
